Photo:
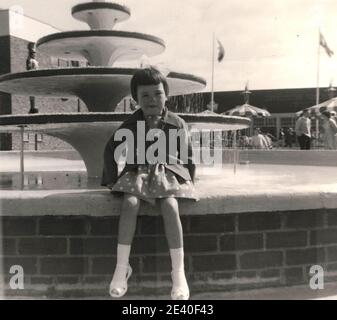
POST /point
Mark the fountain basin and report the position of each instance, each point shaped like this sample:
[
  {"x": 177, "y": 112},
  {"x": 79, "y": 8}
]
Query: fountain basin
[
  {"x": 50, "y": 121},
  {"x": 254, "y": 188},
  {"x": 100, "y": 15},
  {"x": 100, "y": 47},
  {"x": 101, "y": 89},
  {"x": 88, "y": 133}
]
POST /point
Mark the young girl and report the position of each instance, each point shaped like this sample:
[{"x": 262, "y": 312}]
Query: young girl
[{"x": 160, "y": 183}]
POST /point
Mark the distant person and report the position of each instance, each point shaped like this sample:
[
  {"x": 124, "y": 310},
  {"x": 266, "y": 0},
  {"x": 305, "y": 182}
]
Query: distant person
[
  {"x": 330, "y": 131},
  {"x": 270, "y": 139},
  {"x": 282, "y": 137},
  {"x": 333, "y": 115},
  {"x": 303, "y": 130},
  {"x": 258, "y": 140},
  {"x": 32, "y": 64},
  {"x": 245, "y": 141},
  {"x": 289, "y": 138}
]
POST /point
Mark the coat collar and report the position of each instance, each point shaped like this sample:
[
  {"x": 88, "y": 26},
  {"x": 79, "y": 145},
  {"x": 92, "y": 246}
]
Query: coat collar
[{"x": 168, "y": 117}]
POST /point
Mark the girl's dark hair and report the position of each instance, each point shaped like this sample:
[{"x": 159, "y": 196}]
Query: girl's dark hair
[
  {"x": 327, "y": 114},
  {"x": 145, "y": 77}
]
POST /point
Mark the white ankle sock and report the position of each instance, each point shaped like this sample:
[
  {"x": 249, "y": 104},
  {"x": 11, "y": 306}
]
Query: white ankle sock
[
  {"x": 178, "y": 272},
  {"x": 177, "y": 259},
  {"x": 123, "y": 254}
]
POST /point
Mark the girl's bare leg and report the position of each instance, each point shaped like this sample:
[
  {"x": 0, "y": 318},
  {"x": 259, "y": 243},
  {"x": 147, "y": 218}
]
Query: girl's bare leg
[
  {"x": 174, "y": 233},
  {"x": 128, "y": 219},
  {"x": 126, "y": 231},
  {"x": 173, "y": 229}
]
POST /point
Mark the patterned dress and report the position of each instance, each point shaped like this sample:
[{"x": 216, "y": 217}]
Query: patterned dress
[
  {"x": 154, "y": 181},
  {"x": 151, "y": 182}
]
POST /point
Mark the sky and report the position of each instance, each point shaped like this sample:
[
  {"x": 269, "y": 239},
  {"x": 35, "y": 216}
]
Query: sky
[{"x": 270, "y": 44}]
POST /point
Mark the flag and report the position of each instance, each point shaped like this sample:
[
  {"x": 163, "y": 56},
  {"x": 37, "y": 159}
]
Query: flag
[
  {"x": 324, "y": 44},
  {"x": 221, "y": 52},
  {"x": 246, "y": 93},
  {"x": 246, "y": 87}
]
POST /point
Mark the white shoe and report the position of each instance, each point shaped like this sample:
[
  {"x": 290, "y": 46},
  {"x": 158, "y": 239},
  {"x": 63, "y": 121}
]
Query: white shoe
[
  {"x": 180, "y": 290},
  {"x": 119, "y": 282}
]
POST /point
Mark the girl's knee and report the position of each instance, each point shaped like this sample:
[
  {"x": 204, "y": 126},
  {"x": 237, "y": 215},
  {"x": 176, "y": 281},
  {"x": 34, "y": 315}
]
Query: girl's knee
[
  {"x": 131, "y": 202},
  {"x": 169, "y": 205}
]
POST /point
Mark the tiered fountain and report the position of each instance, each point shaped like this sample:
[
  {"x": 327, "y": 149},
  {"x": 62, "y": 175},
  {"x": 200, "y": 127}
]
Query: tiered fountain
[{"x": 100, "y": 85}]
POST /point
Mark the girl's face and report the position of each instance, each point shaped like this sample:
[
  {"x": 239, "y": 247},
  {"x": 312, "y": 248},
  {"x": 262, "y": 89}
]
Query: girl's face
[{"x": 151, "y": 99}]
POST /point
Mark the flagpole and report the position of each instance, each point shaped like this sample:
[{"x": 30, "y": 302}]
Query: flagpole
[
  {"x": 318, "y": 58},
  {"x": 212, "y": 91},
  {"x": 317, "y": 84}
]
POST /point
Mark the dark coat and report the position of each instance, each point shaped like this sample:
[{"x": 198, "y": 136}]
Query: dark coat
[{"x": 169, "y": 120}]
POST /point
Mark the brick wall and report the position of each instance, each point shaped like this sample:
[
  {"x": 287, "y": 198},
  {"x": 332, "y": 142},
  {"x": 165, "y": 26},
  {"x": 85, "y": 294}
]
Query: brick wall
[
  {"x": 4, "y": 54},
  {"x": 5, "y": 108},
  {"x": 66, "y": 256},
  {"x": 5, "y": 99}
]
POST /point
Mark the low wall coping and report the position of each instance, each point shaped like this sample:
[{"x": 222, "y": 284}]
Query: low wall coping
[{"x": 101, "y": 203}]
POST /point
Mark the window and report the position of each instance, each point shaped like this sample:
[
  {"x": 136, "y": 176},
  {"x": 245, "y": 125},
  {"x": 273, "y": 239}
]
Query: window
[
  {"x": 26, "y": 137},
  {"x": 288, "y": 122},
  {"x": 264, "y": 122},
  {"x": 270, "y": 122},
  {"x": 39, "y": 137},
  {"x": 75, "y": 63}
]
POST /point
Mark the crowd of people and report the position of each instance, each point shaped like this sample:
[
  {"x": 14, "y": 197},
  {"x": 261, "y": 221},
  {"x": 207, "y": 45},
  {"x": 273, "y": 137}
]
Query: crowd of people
[
  {"x": 302, "y": 136},
  {"x": 328, "y": 130},
  {"x": 259, "y": 140}
]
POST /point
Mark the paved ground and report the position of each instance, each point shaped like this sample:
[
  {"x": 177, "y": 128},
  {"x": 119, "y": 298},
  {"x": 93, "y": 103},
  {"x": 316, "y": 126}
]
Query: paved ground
[
  {"x": 302, "y": 292},
  {"x": 285, "y": 293}
]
